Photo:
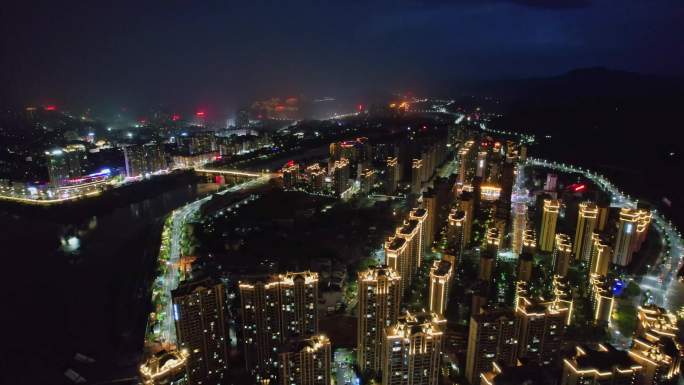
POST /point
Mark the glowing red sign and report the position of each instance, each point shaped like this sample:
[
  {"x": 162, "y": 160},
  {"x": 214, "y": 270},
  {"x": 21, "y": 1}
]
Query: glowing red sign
[
  {"x": 175, "y": 117},
  {"x": 200, "y": 114},
  {"x": 579, "y": 187},
  {"x": 50, "y": 108}
]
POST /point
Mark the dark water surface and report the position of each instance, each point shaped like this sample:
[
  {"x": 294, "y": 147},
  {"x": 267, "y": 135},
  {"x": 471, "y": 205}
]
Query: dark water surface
[{"x": 79, "y": 285}]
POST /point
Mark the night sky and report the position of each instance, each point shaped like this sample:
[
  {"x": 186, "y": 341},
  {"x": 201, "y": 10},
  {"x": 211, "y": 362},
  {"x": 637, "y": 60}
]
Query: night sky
[{"x": 224, "y": 53}]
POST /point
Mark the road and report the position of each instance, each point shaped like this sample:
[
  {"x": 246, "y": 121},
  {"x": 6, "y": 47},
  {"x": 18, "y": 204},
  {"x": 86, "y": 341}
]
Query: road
[
  {"x": 343, "y": 361},
  {"x": 170, "y": 280}
]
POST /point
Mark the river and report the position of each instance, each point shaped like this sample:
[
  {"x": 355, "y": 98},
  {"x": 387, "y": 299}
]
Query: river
[{"x": 81, "y": 285}]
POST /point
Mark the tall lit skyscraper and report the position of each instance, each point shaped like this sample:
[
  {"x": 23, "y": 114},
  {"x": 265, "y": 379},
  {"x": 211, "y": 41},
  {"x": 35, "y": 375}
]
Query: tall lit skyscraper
[
  {"x": 274, "y": 310},
  {"x": 305, "y": 361},
  {"x": 430, "y": 206},
  {"x": 392, "y": 175},
  {"x": 290, "y": 175},
  {"x": 467, "y": 205},
  {"x": 519, "y": 226},
  {"x": 542, "y": 328},
  {"x": 562, "y": 254},
  {"x": 412, "y": 349},
  {"x": 602, "y": 299},
  {"x": 547, "y": 232},
  {"x": 378, "y": 307},
  {"x": 586, "y": 224},
  {"x": 367, "y": 180},
  {"x": 422, "y": 216},
  {"x": 601, "y": 254},
  {"x": 341, "y": 175},
  {"x": 632, "y": 228},
  {"x": 441, "y": 275},
  {"x": 492, "y": 241},
  {"x": 529, "y": 242},
  {"x": 416, "y": 170},
  {"x": 493, "y": 336},
  {"x": 412, "y": 232},
  {"x": 199, "y": 310}
]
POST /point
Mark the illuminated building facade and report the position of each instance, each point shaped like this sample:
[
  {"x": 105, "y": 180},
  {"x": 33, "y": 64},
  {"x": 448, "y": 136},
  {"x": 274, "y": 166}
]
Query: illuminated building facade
[
  {"x": 416, "y": 170},
  {"x": 562, "y": 254},
  {"x": 431, "y": 207},
  {"x": 368, "y": 177},
  {"x": 602, "y": 299},
  {"x": 467, "y": 205},
  {"x": 455, "y": 232},
  {"x": 547, "y": 233},
  {"x": 542, "y": 328},
  {"x": 422, "y": 217},
  {"x": 586, "y": 224},
  {"x": 529, "y": 242},
  {"x": 601, "y": 254},
  {"x": 412, "y": 350},
  {"x": 315, "y": 176},
  {"x": 656, "y": 345},
  {"x": 632, "y": 229},
  {"x": 305, "y": 361},
  {"x": 492, "y": 337},
  {"x": 144, "y": 159},
  {"x": 290, "y": 175},
  {"x": 490, "y": 193},
  {"x": 441, "y": 275},
  {"x": 604, "y": 365},
  {"x": 64, "y": 164},
  {"x": 199, "y": 311},
  {"x": 392, "y": 175},
  {"x": 273, "y": 311},
  {"x": 378, "y": 307},
  {"x": 519, "y": 226},
  {"x": 341, "y": 175}
]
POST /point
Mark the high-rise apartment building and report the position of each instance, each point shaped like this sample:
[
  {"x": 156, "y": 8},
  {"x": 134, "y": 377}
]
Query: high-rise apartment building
[
  {"x": 199, "y": 311},
  {"x": 601, "y": 254},
  {"x": 290, "y": 175},
  {"x": 378, "y": 307},
  {"x": 441, "y": 275},
  {"x": 412, "y": 350},
  {"x": 341, "y": 175},
  {"x": 274, "y": 310},
  {"x": 455, "y": 232},
  {"x": 547, "y": 233},
  {"x": 519, "y": 226},
  {"x": 144, "y": 159},
  {"x": 492, "y": 337},
  {"x": 392, "y": 175},
  {"x": 562, "y": 254},
  {"x": 305, "y": 361},
  {"x": 368, "y": 177},
  {"x": 467, "y": 205},
  {"x": 542, "y": 328},
  {"x": 423, "y": 218},
  {"x": 632, "y": 229},
  {"x": 586, "y": 224},
  {"x": 416, "y": 176},
  {"x": 602, "y": 299},
  {"x": 603, "y": 365}
]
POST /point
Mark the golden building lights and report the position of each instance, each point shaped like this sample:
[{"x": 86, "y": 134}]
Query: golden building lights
[
  {"x": 441, "y": 275},
  {"x": 562, "y": 254},
  {"x": 275, "y": 309},
  {"x": 305, "y": 361},
  {"x": 586, "y": 224},
  {"x": 412, "y": 350},
  {"x": 548, "y": 226},
  {"x": 378, "y": 307}
]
